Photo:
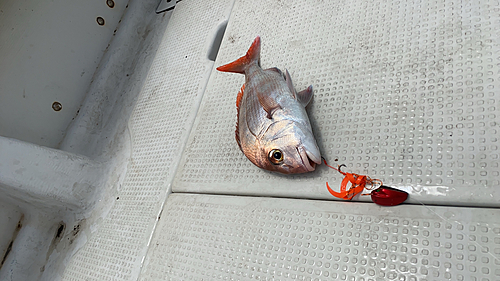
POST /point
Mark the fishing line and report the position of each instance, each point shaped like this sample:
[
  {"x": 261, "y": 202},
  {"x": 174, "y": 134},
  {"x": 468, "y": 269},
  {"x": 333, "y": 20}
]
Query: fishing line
[
  {"x": 358, "y": 183},
  {"x": 463, "y": 233}
]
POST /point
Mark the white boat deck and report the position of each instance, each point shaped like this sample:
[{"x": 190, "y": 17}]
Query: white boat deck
[{"x": 404, "y": 92}]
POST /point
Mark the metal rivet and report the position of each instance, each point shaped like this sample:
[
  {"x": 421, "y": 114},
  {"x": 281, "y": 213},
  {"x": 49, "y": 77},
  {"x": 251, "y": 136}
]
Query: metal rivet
[
  {"x": 57, "y": 106},
  {"x": 100, "y": 21},
  {"x": 110, "y": 3}
]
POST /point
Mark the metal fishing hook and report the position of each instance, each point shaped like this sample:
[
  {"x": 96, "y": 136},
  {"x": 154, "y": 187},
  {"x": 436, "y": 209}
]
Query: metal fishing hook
[{"x": 340, "y": 166}]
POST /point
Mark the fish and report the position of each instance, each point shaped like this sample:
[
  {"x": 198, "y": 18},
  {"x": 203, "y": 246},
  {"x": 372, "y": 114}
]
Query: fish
[{"x": 273, "y": 129}]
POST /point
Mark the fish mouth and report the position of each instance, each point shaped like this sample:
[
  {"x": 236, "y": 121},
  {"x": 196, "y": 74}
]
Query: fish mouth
[{"x": 309, "y": 160}]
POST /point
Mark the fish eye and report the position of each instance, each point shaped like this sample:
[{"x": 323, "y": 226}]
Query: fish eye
[{"x": 275, "y": 156}]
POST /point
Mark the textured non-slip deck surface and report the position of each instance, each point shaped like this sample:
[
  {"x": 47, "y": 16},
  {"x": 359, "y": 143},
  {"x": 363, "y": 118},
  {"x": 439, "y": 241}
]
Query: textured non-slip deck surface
[
  {"x": 405, "y": 92},
  {"x": 158, "y": 127},
  {"x": 204, "y": 237}
]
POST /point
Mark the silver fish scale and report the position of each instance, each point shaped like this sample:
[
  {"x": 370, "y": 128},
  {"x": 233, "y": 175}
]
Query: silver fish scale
[
  {"x": 250, "y": 109},
  {"x": 251, "y": 112}
]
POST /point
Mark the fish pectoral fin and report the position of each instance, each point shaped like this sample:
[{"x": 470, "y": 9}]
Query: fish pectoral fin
[
  {"x": 289, "y": 83},
  {"x": 305, "y": 96},
  {"x": 268, "y": 103}
]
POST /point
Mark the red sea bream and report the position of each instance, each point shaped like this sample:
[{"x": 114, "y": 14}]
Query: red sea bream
[{"x": 273, "y": 129}]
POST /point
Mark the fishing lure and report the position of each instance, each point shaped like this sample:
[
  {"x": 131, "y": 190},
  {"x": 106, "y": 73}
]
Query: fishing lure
[
  {"x": 381, "y": 195},
  {"x": 388, "y": 196}
]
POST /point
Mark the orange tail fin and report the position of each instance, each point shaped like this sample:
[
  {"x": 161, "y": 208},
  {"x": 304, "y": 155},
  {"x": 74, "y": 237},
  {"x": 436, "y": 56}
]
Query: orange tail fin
[{"x": 239, "y": 65}]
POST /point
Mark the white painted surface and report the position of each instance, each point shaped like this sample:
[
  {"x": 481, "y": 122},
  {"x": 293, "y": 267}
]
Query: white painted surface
[
  {"x": 49, "y": 51},
  {"x": 29, "y": 252},
  {"x": 35, "y": 179},
  {"x": 10, "y": 222},
  {"x": 48, "y": 178}
]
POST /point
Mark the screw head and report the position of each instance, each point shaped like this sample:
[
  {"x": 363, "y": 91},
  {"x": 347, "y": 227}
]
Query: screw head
[
  {"x": 56, "y": 106},
  {"x": 100, "y": 21}
]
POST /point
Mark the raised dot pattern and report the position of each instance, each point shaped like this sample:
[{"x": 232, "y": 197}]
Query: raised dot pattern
[
  {"x": 230, "y": 238},
  {"x": 165, "y": 108},
  {"x": 407, "y": 93}
]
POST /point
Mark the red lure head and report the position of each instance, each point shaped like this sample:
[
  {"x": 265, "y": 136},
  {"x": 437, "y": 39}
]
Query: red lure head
[{"x": 388, "y": 196}]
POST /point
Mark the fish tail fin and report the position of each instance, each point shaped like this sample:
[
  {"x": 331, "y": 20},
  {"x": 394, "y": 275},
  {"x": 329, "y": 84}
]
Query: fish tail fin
[{"x": 239, "y": 65}]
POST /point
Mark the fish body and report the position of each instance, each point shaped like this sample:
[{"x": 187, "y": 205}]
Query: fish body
[{"x": 273, "y": 129}]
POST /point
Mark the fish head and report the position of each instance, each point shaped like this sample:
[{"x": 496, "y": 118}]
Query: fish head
[{"x": 288, "y": 147}]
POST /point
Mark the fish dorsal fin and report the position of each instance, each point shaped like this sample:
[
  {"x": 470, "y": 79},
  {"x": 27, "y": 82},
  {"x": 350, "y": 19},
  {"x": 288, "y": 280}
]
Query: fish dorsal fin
[
  {"x": 305, "y": 96},
  {"x": 289, "y": 83},
  {"x": 239, "y": 65},
  {"x": 238, "y": 103},
  {"x": 275, "y": 69}
]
